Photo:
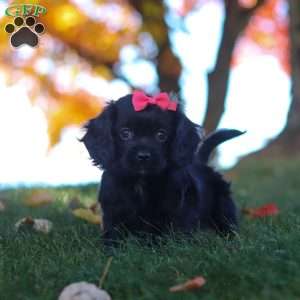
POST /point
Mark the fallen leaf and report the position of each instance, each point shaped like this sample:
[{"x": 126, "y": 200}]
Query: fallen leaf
[
  {"x": 39, "y": 225},
  {"x": 270, "y": 209},
  {"x": 191, "y": 284},
  {"x": 23, "y": 222},
  {"x": 2, "y": 206},
  {"x": 83, "y": 291},
  {"x": 38, "y": 198},
  {"x": 95, "y": 208},
  {"x": 87, "y": 215},
  {"x": 42, "y": 225}
]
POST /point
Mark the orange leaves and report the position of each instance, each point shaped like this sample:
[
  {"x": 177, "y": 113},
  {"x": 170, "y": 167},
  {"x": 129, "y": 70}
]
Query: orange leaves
[
  {"x": 189, "y": 285},
  {"x": 103, "y": 72},
  {"x": 187, "y": 6},
  {"x": 266, "y": 210},
  {"x": 71, "y": 109},
  {"x": 267, "y": 32},
  {"x": 68, "y": 17},
  {"x": 247, "y": 3},
  {"x": 91, "y": 214},
  {"x": 91, "y": 36},
  {"x": 87, "y": 215},
  {"x": 76, "y": 37},
  {"x": 153, "y": 20},
  {"x": 264, "y": 39},
  {"x": 63, "y": 109},
  {"x": 38, "y": 198}
]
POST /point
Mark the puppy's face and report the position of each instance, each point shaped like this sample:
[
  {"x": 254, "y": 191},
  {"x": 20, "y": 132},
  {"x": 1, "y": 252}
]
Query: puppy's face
[
  {"x": 140, "y": 143},
  {"x": 143, "y": 139}
]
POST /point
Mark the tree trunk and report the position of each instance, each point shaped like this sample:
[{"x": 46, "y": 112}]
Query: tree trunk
[
  {"x": 288, "y": 142},
  {"x": 236, "y": 20},
  {"x": 167, "y": 63}
]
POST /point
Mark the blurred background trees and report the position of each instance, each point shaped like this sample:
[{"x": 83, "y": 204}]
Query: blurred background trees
[
  {"x": 85, "y": 41},
  {"x": 288, "y": 141},
  {"x": 237, "y": 17}
]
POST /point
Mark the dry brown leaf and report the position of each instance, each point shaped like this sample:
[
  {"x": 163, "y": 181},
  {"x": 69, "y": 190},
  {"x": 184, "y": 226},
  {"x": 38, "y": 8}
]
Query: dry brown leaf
[
  {"x": 39, "y": 225},
  {"x": 87, "y": 215},
  {"x": 83, "y": 291},
  {"x": 191, "y": 284},
  {"x": 95, "y": 208},
  {"x": 38, "y": 198},
  {"x": 23, "y": 222},
  {"x": 42, "y": 225}
]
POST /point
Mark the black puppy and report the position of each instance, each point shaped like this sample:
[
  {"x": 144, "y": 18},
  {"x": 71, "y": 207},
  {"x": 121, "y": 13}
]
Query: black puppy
[{"x": 155, "y": 169}]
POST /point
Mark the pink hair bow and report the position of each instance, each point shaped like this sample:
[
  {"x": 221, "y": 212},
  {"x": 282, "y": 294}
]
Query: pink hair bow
[{"x": 140, "y": 101}]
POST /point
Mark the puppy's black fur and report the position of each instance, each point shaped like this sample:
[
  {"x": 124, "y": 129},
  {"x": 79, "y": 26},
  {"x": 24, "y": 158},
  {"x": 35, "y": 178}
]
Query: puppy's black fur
[{"x": 156, "y": 176}]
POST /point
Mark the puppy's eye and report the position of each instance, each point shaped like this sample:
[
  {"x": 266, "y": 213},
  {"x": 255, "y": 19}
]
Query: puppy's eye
[
  {"x": 161, "y": 135},
  {"x": 126, "y": 134}
]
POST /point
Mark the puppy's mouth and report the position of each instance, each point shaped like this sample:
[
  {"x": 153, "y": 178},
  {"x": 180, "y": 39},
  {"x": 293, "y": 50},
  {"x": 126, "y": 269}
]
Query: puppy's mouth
[
  {"x": 142, "y": 162},
  {"x": 142, "y": 168},
  {"x": 142, "y": 171}
]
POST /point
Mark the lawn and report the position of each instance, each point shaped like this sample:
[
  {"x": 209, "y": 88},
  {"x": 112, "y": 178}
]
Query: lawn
[{"x": 262, "y": 262}]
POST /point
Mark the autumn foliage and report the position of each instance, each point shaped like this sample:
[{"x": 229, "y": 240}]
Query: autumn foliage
[
  {"x": 267, "y": 33},
  {"x": 84, "y": 42}
]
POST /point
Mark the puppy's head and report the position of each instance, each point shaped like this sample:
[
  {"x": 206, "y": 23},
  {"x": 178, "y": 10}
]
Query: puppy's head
[{"x": 142, "y": 142}]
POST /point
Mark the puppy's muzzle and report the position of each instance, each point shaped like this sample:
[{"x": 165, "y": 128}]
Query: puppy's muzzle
[
  {"x": 142, "y": 160},
  {"x": 143, "y": 156}
]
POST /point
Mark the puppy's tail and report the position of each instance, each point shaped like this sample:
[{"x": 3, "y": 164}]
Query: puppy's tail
[{"x": 213, "y": 140}]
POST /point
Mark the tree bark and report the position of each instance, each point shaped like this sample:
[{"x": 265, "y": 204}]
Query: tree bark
[
  {"x": 167, "y": 64},
  {"x": 287, "y": 143},
  {"x": 236, "y": 20}
]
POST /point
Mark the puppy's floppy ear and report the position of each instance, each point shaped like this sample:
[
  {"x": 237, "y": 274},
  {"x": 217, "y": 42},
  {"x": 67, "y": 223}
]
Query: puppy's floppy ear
[
  {"x": 98, "y": 138},
  {"x": 186, "y": 141}
]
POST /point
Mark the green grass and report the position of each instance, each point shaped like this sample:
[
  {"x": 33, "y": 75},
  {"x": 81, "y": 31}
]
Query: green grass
[{"x": 262, "y": 262}]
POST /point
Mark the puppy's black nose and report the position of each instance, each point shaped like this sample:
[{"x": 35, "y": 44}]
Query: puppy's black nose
[{"x": 143, "y": 156}]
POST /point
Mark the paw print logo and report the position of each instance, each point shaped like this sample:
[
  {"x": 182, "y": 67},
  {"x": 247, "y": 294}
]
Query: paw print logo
[{"x": 24, "y": 32}]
